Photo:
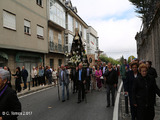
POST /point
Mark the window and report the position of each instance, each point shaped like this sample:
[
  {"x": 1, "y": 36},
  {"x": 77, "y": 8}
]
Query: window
[
  {"x": 9, "y": 20},
  {"x": 80, "y": 30},
  {"x": 70, "y": 23},
  {"x": 59, "y": 39},
  {"x": 51, "y": 63},
  {"x": 76, "y": 24},
  {"x": 70, "y": 40},
  {"x": 50, "y": 35},
  {"x": 27, "y": 27},
  {"x": 40, "y": 32},
  {"x": 39, "y": 2},
  {"x": 85, "y": 34},
  {"x": 59, "y": 62},
  {"x": 57, "y": 13}
]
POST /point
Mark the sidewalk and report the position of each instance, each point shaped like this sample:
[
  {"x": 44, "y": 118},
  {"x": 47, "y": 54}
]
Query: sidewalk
[
  {"x": 32, "y": 89},
  {"x": 124, "y": 116}
]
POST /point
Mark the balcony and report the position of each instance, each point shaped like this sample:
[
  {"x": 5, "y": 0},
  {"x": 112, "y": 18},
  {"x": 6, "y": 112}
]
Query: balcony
[{"x": 56, "y": 48}]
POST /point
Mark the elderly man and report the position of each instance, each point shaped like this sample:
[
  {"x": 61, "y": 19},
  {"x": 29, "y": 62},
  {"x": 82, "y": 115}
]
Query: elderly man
[
  {"x": 81, "y": 77},
  {"x": 64, "y": 82},
  {"x": 24, "y": 76},
  {"x": 9, "y": 102}
]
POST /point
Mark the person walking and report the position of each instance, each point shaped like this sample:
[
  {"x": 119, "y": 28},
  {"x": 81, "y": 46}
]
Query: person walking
[
  {"x": 93, "y": 78},
  {"x": 24, "y": 76},
  {"x": 8, "y": 99},
  {"x": 81, "y": 77},
  {"x": 143, "y": 94},
  {"x": 88, "y": 78},
  {"x": 123, "y": 71},
  {"x": 151, "y": 71},
  {"x": 130, "y": 78},
  {"x": 74, "y": 79},
  {"x": 54, "y": 76},
  {"x": 111, "y": 82},
  {"x": 18, "y": 81},
  {"x": 64, "y": 82},
  {"x": 98, "y": 74}
]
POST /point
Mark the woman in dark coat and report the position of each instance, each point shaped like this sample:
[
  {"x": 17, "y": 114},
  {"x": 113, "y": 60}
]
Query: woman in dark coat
[
  {"x": 10, "y": 106},
  {"x": 18, "y": 79},
  {"x": 130, "y": 78},
  {"x": 144, "y": 90}
]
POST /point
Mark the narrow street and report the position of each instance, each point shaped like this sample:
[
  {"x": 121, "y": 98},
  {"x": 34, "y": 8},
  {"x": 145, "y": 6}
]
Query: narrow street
[{"x": 45, "y": 105}]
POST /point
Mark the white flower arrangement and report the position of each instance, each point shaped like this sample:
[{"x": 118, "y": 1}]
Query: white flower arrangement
[{"x": 75, "y": 59}]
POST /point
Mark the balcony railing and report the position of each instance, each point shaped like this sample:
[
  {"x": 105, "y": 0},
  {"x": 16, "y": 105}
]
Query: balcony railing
[{"x": 57, "y": 48}]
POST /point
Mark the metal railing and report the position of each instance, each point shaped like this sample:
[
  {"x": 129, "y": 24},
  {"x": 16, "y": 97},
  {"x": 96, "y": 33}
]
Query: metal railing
[{"x": 59, "y": 48}]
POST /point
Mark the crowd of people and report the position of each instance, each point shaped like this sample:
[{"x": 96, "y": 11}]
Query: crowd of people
[
  {"x": 140, "y": 86},
  {"x": 138, "y": 80}
]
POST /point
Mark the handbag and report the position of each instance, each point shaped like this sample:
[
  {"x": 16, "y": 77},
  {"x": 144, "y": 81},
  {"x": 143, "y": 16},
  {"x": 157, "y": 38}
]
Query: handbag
[{"x": 101, "y": 77}]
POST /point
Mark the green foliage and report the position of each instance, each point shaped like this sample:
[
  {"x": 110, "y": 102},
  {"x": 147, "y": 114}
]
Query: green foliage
[
  {"x": 146, "y": 9},
  {"x": 107, "y": 59}
]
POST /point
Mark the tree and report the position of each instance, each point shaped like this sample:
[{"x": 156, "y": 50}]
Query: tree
[
  {"x": 105, "y": 58},
  {"x": 146, "y": 9}
]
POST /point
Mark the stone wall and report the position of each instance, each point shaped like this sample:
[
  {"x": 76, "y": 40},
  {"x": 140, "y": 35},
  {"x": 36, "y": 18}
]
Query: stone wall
[{"x": 148, "y": 43}]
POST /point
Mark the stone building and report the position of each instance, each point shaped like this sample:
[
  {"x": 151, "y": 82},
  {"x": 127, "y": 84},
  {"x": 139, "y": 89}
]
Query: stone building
[
  {"x": 23, "y": 33},
  {"x": 148, "y": 42},
  {"x": 56, "y": 28}
]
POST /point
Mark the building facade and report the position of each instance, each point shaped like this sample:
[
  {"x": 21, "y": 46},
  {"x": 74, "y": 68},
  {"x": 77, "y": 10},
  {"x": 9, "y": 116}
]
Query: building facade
[
  {"x": 23, "y": 29},
  {"x": 73, "y": 22},
  {"x": 92, "y": 45},
  {"x": 56, "y": 28}
]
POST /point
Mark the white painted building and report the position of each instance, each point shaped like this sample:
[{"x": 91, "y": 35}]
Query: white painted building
[{"x": 92, "y": 41}]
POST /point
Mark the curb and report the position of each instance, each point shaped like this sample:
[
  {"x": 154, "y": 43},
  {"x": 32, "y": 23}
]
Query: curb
[{"x": 31, "y": 91}]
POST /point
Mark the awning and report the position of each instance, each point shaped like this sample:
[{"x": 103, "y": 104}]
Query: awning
[
  {"x": 28, "y": 55},
  {"x": 4, "y": 55}
]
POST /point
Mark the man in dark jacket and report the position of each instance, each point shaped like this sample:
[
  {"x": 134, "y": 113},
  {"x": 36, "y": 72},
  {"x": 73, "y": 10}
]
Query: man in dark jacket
[
  {"x": 9, "y": 103},
  {"x": 81, "y": 77},
  {"x": 151, "y": 70},
  {"x": 74, "y": 79},
  {"x": 111, "y": 82},
  {"x": 88, "y": 77},
  {"x": 24, "y": 76}
]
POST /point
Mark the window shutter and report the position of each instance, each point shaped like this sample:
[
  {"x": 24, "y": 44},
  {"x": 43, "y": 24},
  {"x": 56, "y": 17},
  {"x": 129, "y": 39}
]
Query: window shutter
[
  {"x": 39, "y": 30},
  {"x": 26, "y": 23},
  {"x": 9, "y": 20}
]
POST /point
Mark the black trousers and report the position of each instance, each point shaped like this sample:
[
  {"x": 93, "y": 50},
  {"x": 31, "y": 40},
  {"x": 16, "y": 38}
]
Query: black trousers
[
  {"x": 132, "y": 107},
  {"x": 88, "y": 82},
  {"x": 81, "y": 90},
  {"x": 18, "y": 85},
  {"x": 110, "y": 89},
  {"x": 145, "y": 113},
  {"x": 25, "y": 82},
  {"x": 33, "y": 80},
  {"x": 75, "y": 87}
]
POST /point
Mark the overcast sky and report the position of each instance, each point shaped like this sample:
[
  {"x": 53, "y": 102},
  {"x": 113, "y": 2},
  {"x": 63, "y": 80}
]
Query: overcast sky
[{"x": 116, "y": 24}]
